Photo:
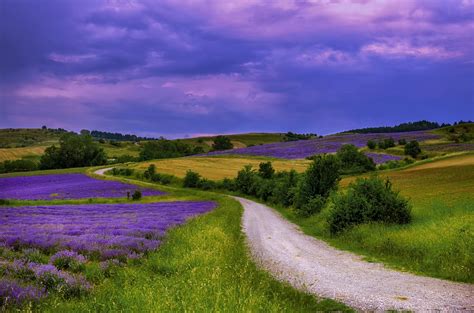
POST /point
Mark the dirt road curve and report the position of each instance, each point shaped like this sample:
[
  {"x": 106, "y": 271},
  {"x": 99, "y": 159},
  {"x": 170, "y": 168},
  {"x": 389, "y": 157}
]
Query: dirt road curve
[{"x": 281, "y": 248}]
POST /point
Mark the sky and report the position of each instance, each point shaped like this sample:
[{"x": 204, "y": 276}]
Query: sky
[{"x": 182, "y": 68}]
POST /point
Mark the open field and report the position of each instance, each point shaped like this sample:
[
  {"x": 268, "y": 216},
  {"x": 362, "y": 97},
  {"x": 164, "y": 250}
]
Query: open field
[
  {"x": 216, "y": 168},
  {"x": 438, "y": 242}
]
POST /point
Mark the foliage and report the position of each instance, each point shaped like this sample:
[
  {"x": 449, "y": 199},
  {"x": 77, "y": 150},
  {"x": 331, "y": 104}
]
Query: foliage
[
  {"x": 371, "y": 144},
  {"x": 386, "y": 143},
  {"x": 118, "y": 136},
  {"x": 290, "y": 136},
  {"x": 368, "y": 200},
  {"x": 266, "y": 170},
  {"x": 160, "y": 149},
  {"x": 137, "y": 195},
  {"x": 319, "y": 180},
  {"x": 402, "y": 141},
  {"x": 412, "y": 149},
  {"x": 22, "y": 165},
  {"x": 403, "y": 127},
  {"x": 73, "y": 151},
  {"x": 150, "y": 171},
  {"x": 192, "y": 179},
  {"x": 122, "y": 171},
  {"x": 245, "y": 180},
  {"x": 354, "y": 161},
  {"x": 222, "y": 143}
]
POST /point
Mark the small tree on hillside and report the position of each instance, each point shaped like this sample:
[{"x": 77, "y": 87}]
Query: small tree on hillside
[
  {"x": 412, "y": 149},
  {"x": 192, "y": 179},
  {"x": 371, "y": 144},
  {"x": 222, "y": 143},
  {"x": 266, "y": 170}
]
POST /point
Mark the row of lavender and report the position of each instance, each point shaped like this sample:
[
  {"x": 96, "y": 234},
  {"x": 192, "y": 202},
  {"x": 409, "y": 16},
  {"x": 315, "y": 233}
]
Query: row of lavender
[
  {"x": 329, "y": 144},
  {"x": 66, "y": 186},
  {"x": 47, "y": 248}
]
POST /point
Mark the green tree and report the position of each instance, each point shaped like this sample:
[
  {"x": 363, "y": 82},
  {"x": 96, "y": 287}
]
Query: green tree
[
  {"x": 371, "y": 144},
  {"x": 353, "y": 160},
  {"x": 73, "y": 151},
  {"x": 318, "y": 181},
  {"x": 266, "y": 170},
  {"x": 222, "y": 143},
  {"x": 192, "y": 179},
  {"x": 412, "y": 149}
]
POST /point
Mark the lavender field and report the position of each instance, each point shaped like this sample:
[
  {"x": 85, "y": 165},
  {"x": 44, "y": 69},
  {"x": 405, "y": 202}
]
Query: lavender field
[
  {"x": 66, "y": 186},
  {"x": 48, "y": 247},
  {"x": 329, "y": 144}
]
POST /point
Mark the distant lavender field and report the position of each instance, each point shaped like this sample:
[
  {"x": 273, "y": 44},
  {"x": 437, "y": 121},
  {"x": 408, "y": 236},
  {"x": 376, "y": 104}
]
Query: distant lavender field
[
  {"x": 110, "y": 233},
  {"x": 329, "y": 144},
  {"x": 65, "y": 186}
]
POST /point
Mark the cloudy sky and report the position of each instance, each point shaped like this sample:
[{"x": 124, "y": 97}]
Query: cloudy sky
[{"x": 182, "y": 67}]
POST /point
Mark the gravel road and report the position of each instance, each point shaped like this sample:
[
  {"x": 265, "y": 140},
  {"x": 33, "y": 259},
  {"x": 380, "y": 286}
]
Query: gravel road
[{"x": 310, "y": 264}]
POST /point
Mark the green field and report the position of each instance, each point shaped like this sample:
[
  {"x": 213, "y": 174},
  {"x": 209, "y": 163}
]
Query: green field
[
  {"x": 216, "y": 168},
  {"x": 440, "y": 240}
]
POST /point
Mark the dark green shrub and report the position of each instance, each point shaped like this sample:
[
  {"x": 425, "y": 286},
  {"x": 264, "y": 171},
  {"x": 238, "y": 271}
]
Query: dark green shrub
[
  {"x": 412, "y": 149},
  {"x": 319, "y": 180},
  {"x": 228, "y": 184},
  {"x": 263, "y": 188},
  {"x": 402, "y": 142},
  {"x": 137, "y": 195},
  {"x": 206, "y": 184},
  {"x": 368, "y": 200},
  {"x": 166, "y": 179},
  {"x": 245, "y": 179},
  {"x": 266, "y": 170},
  {"x": 192, "y": 179},
  {"x": 150, "y": 171},
  {"x": 222, "y": 143},
  {"x": 284, "y": 190},
  {"x": 313, "y": 206},
  {"x": 389, "y": 143},
  {"x": 22, "y": 165},
  {"x": 371, "y": 144},
  {"x": 354, "y": 161}
]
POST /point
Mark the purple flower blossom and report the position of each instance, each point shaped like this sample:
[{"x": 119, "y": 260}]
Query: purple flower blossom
[
  {"x": 12, "y": 293},
  {"x": 107, "y": 230},
  {"x": 67, "y": 255},
  {"x": 66, "y": 186},
  {"x": 380, "y": 158}
]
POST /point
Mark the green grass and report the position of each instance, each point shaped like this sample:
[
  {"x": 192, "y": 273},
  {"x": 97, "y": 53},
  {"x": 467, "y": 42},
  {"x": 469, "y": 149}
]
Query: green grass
[{"x": 440, "y": 240}]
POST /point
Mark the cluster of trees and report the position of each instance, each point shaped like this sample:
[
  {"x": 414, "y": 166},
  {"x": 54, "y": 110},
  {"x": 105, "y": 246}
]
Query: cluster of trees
[
  {"x": 222, "y": 143},
  {"x": 411, "y": 148},
  {"x": 369, "y": 199},
  {"x": 163, "y": 148},
  {"x": 118, "y": 136},
  {"x": 23, "y": 165},
  {"x": 290, "y": 136},
  {"x": 403, "y": 127},
  {"x": 73, "y": 151}
]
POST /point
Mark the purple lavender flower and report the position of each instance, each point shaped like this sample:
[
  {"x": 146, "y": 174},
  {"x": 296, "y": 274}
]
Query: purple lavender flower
[
  {"x": 66, "y": 186},
  {"x": 12, "y": 293},
  {"x": 328, "y": 144}
]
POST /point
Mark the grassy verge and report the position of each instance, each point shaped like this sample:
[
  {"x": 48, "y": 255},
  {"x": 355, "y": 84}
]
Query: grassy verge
[
  {"x": 202, "y": 266},
  {"x": 440, "y": 240}
]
